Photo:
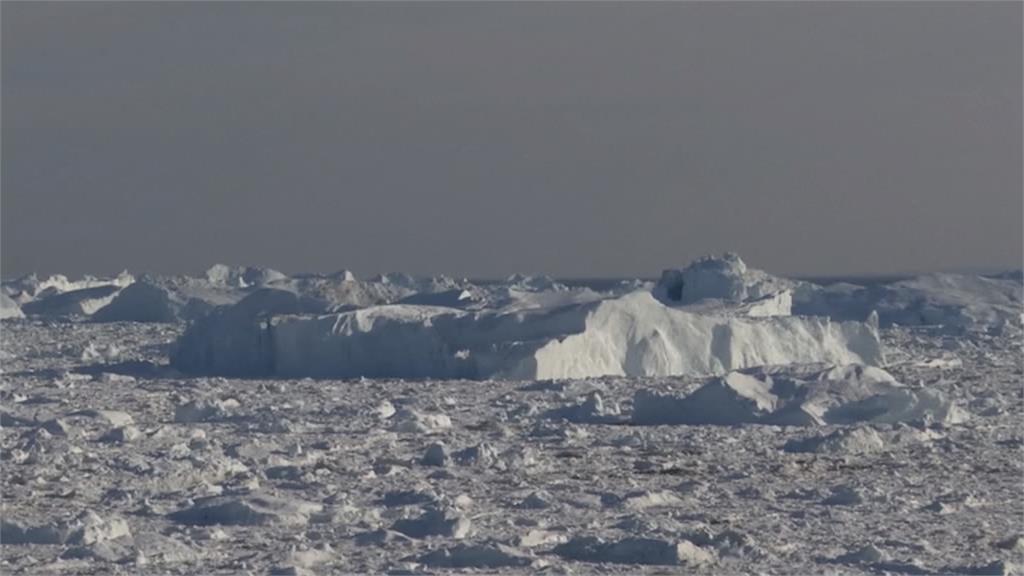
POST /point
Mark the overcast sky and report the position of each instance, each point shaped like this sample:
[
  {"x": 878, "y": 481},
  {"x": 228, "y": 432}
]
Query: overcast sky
[{"x": 476, "y": 139}]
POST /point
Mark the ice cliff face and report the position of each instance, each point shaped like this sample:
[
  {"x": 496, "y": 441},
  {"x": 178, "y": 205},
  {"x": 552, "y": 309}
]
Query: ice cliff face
[{"x": 638, "y": 336}]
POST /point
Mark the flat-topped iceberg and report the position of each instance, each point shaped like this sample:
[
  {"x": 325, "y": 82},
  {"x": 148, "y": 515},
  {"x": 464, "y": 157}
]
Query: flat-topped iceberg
[{"x": 631, "y": 335}]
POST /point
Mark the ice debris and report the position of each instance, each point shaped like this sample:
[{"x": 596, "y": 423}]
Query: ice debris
[
  {"x": 476, "y": 556},
  {"x": 859, "y": 440},
  {"x": 247, "y": 510},
  {"x": 205, "y": 410},
  {"x": 416, "y": 422},
  {"x": 635, "y": 551},
  {"x": 87, "y": 528},
  {"x": 434, "y": 522},
  {"x": 798, "y": 396},
  {"x": 436, "y": 455}
]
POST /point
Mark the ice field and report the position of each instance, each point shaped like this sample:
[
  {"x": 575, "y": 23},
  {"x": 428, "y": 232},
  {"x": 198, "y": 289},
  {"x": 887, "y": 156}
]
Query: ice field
[{"x": 717, "y": 420}]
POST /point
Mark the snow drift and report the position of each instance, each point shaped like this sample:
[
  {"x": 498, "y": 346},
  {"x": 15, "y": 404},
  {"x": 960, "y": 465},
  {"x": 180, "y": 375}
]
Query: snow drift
[{"x": 633, "y": 335}]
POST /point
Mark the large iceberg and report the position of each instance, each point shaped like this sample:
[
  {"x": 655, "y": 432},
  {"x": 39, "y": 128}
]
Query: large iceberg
[
  {"x": 631, "y": 335},
  {"x": 712, "y": 317}
]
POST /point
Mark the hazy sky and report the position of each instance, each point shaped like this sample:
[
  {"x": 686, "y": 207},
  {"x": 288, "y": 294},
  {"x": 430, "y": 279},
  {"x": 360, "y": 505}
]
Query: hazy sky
[{"x": 482, "y": 139}]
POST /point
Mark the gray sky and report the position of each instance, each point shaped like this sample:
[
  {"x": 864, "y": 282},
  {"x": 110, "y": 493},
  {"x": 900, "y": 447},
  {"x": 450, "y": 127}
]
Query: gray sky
[{"x": 481, "y": 139}]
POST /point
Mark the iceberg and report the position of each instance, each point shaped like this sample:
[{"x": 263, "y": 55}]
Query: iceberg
[
  {"x": 633, "y": 335},
  {"x": 9, "y": 308},
  {"x": 798, "y": 395}
]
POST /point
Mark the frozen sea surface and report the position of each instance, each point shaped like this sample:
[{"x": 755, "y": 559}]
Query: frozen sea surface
[
  {"x": 113, "y": 463},
  {"x": 729, "y": 422}
]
